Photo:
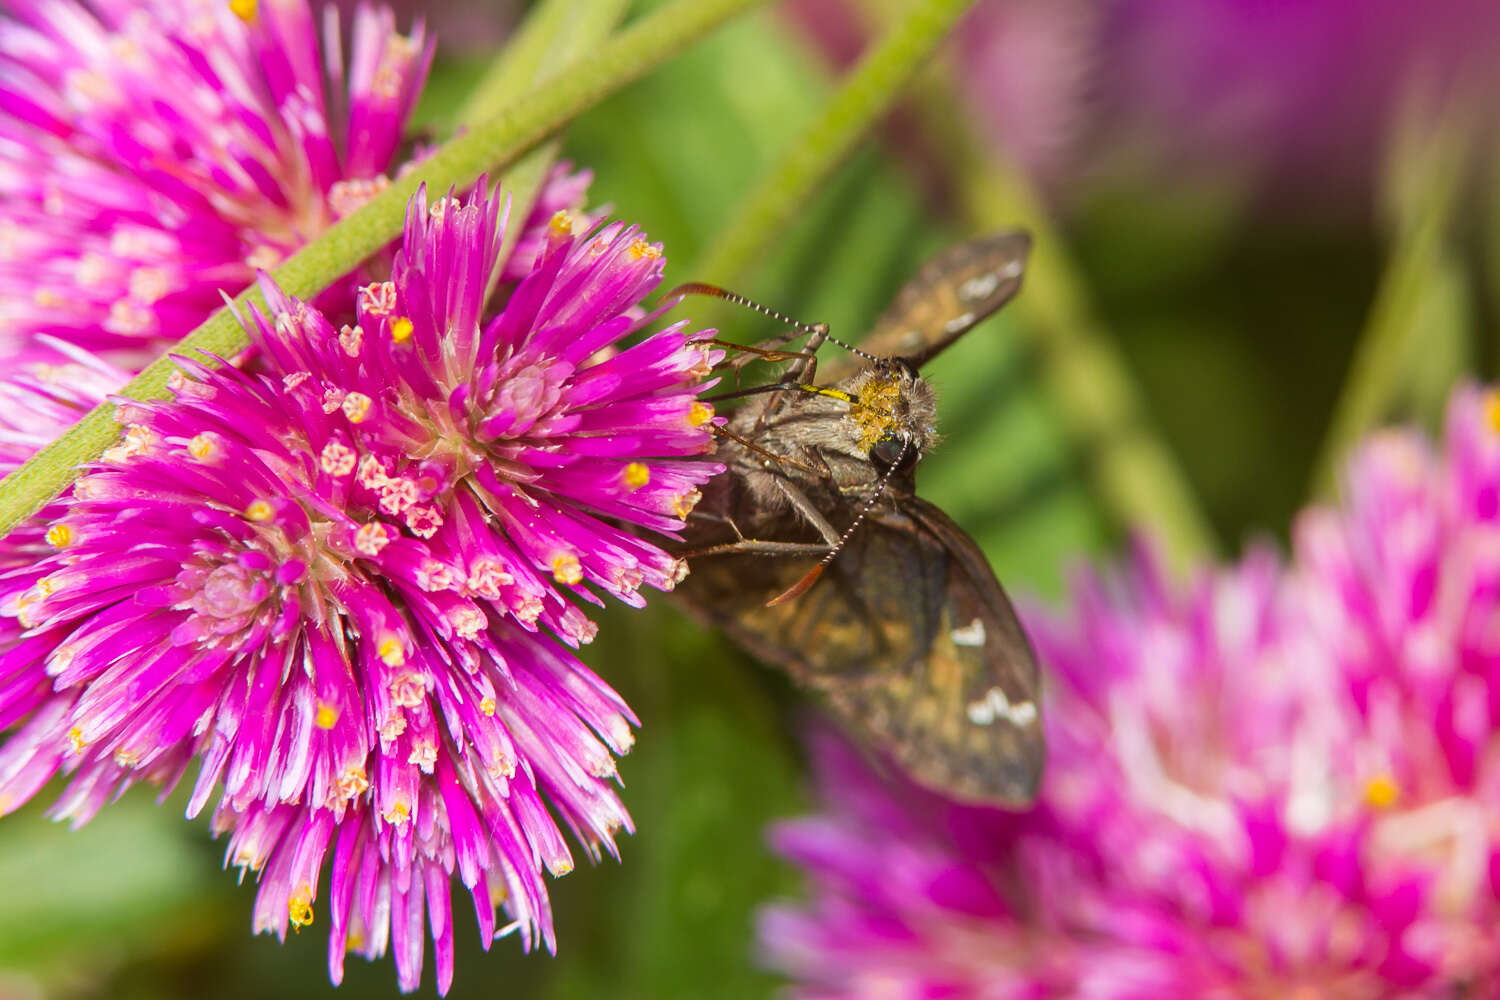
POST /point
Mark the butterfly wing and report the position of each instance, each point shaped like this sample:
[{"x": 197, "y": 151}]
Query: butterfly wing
[
  {"x": 951, "y": 294},
  {"x": 910, "y": 641}
]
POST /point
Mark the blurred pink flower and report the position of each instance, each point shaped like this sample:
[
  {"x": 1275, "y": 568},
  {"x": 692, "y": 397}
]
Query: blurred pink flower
[
  {"x": 1277, "y": 781},
  {"x": 153, "y": 154}
]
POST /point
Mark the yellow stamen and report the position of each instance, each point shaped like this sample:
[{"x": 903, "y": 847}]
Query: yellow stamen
[
  {"x": 637, "y": 475},
  {"x": 640, "y": 248},
  {"x": 299, "y": 908},
  {"x": 371, "y": 538},
  {"x": 327, "y": 717},
  {"x": 401, "y": 328},
  {"x": 76, "y": 740},
  {"x": 59, "y": 536},
  {"x": 356, "y": 407},
  {"x": 1381, "y": 791},
  {"x": 259, "y": 510},
  {"x": 567, "y": 569},
  {"x": 392, "y": 651},
  {"x": 700, "y": 414},
  {"x": 352, "y": 783},
  {"x": 684, "y": 504},
  {"x": 1492, "y": 409},
  {"x": 398, "y": 814},
  {"x": 562, "y": 223},
  {"x": 487, "y": 706},
  {"x": 203, "y": 446},
  {"x": 126, "y": 757}
]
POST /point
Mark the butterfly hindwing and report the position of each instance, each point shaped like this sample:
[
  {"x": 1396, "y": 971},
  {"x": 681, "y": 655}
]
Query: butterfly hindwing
[{"x": 911, "y": 642}]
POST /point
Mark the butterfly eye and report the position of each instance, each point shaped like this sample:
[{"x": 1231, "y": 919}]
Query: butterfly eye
[{"x": 892, "y": 450}]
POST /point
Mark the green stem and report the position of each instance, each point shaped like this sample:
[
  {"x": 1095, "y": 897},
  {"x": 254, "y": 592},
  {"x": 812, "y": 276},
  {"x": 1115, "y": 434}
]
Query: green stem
[
  {"x": 1132, "y": 471},
  {"x": 865, "y": 95},
  {"x": 494, "y": 144},
  {"x": 1391, "y": 350}
]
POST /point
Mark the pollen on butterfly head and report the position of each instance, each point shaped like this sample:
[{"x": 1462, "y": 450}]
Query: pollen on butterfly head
[{"x": 876, "y": 409}]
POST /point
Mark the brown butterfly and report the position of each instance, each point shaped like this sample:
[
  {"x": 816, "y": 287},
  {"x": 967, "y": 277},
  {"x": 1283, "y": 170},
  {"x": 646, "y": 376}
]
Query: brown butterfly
[{"x": 814, "y": 553}]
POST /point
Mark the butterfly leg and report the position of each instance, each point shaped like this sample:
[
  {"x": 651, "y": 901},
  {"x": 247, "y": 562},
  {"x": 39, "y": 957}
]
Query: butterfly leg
[
  {"x": 810, "y": 512},
  {"x": 805, "y": 368},
  {"x": 756, "y": 546},
  {"x": 765, "y": 350}
]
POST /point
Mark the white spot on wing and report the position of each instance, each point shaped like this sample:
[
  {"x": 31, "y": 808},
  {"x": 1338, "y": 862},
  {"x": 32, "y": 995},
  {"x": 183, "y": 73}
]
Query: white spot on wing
[
  {"x": 958, "y": 322},
  {"x": 980, "y": 288},
  {"x": 971, "y": 634},
  {"x": 994, "y": 705}
]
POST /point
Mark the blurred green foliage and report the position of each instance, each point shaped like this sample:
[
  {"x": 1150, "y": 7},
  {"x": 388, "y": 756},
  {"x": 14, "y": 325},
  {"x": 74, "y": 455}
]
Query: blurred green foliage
[{"x": 1239, "y": 328}]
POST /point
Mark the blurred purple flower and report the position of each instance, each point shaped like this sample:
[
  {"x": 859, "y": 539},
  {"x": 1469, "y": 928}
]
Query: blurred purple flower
[
  {"x": 1285, "y": 95},
  {"x": 1304, "y": 93},
  {"x": 1275, "y": 782},
  {"x": 154, "y": 153},
  {"x": 340, "y": 580}
]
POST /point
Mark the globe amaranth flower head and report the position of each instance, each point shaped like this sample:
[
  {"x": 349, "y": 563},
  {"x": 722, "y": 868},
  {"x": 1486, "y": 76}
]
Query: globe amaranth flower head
[
  {"x": 347, "y": 581},
  {"x": 154, "y": 153},
  {"x": 1277, "y": 781}
]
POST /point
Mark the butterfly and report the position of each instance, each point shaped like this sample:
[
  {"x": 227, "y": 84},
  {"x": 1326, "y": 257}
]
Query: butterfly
[{"x": 814, "y": 553}]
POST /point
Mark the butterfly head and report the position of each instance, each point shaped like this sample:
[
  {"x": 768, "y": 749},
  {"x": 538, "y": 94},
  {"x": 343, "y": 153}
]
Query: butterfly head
[{"x": 895, "y": 416}]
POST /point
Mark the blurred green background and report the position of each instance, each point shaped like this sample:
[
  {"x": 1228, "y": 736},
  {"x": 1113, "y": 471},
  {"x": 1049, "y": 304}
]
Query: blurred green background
[{"x": 1235, "y": 303}]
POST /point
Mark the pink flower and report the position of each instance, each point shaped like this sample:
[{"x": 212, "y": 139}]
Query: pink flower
[
  {"x": 1272, "y": 782},
  {"x": 152, "y": 154},
  {"x": 347, "y": 582}
]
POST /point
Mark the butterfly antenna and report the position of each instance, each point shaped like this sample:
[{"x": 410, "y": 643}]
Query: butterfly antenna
[
  {"x": 802, "y": 586},
  {"x": 681, "y": 292}
]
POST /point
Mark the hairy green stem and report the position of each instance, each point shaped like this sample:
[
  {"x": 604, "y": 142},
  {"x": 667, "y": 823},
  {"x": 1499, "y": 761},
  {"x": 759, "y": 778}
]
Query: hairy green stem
[
  {"x": 1131, "y": 470},
  {"x": 864, "y": 96},
  {"x": 496, "y": 143}
]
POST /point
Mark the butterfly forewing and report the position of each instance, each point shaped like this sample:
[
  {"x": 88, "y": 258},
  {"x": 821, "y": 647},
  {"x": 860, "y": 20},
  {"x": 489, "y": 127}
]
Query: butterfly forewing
[{"x": 953, "y": 292}]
